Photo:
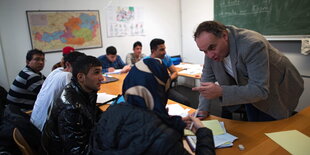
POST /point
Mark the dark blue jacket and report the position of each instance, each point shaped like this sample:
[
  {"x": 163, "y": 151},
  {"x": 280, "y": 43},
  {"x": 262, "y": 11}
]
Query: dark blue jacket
[{"x": 117, "y": 64}]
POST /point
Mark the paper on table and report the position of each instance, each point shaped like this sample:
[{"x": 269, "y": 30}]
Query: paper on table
[
  {"x": 221, "y": 138},
  {"x": 103, "y": 97},
  {"x": 177, "y": 110},
  {"x": 116, "y": 71},
  {"x": 191, "y": 71},
  {"x": 224, "y": 140},
  {"x": 189, "y": 66},
  {"x": 213, "y": 125},
  {"x": 293, "y": 141}
]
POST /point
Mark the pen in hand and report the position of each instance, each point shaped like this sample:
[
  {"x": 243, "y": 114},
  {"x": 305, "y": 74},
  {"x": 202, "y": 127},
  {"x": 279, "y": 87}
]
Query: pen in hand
[{"x": 195, "y": 115}]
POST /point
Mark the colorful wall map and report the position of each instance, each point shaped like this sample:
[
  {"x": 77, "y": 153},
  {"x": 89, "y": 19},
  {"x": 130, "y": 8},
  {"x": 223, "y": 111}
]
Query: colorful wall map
[{"x": 53, "y": 30}]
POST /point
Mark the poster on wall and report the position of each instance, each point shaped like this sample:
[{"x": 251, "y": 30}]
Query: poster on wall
[
  {"x": 124, "y": 21},
  {"x": 50, "y": 31}
]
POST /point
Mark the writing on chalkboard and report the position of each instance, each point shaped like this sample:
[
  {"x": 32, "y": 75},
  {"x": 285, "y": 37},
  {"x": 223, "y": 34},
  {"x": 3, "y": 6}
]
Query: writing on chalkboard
[
  {"x": 231, "y": 10},
  {"x": 269, "y": 17}
]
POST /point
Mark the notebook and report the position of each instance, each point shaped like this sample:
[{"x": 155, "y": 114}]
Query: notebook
[{"x": 109, "y": 79}]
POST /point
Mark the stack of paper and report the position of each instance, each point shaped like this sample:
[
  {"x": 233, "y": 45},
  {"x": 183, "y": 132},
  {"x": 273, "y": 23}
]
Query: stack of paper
[
  {"x": 191, "y": 69},
  {"x": 220, "y": 136},
  {"x": 177, "y": 110}
]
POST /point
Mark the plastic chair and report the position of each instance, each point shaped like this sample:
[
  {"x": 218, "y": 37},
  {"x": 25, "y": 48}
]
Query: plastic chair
[
  {"x": 176, "y": 59},
  {"x": 22, "y": 143}
]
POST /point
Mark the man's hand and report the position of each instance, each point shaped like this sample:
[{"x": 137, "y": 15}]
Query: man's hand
[
  {"x": 196, "y": 123},
  {"x": 201, "y": 114},
  {"x": 126, "y": 69},
  {"x": 111, "y": 69},
  {"x": 209, "y": 90}
]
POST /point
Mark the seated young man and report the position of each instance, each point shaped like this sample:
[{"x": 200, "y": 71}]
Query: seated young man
[
  {"x": 112, "y": 61},
  {"x": 142, "y": 124},
  {"x": 74, "y": 112},
  {"x": 137, "y": 54},
  {"x": 51, "y": 89},
  {"x": 158, "y": 50}
]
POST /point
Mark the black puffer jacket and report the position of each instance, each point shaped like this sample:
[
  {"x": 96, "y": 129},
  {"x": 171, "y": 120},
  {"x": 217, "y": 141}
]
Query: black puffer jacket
[
  {"x": 130, "y": 130},
  {"x": 73, "y": 116}
]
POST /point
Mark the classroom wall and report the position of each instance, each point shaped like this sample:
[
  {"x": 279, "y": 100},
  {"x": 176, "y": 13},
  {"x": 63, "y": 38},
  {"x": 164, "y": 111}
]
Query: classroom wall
[
  {"x": 193, "y": 12},
  {"x": 162, "y": 19},
  {"x": 3, "y": 76}
]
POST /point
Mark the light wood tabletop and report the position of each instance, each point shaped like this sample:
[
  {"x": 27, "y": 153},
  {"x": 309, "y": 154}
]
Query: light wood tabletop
[
  {"x": 195, "y": 76},
  {"x": 250, "y": 134}
]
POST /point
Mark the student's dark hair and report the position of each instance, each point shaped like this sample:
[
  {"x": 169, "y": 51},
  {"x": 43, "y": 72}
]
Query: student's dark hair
[
  {"x": 213, "y": 27},
  {"x": 155, "y": 42},
  {"x": 83, "y": 65},
  {"x": 137, "y": 43},
  {"x": 111, "y": 50},
  {"x": 71, "y": 57},
  {"x": 32, "y": 52}
]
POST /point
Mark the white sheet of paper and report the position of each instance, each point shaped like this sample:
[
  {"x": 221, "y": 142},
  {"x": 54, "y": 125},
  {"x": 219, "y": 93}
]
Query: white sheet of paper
[
  {"x": 116, "y": 71},
  {"x": 191, "y": 71},
  {"x": 103, "y": 97},
  {"x": 189, "y": 66},
  {"x": 177, "y": 110},
  {"x": 224, "y": 138}
]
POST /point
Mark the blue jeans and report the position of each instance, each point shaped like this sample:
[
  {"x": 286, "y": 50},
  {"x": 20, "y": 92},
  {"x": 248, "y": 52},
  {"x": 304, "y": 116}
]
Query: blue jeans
[{"x": 255, "y": 115}]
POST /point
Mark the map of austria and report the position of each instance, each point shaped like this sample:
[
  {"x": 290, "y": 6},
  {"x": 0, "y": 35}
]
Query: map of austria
[
  {"x": 51, "y": 31},
  {"x": 77, "y": 31}
]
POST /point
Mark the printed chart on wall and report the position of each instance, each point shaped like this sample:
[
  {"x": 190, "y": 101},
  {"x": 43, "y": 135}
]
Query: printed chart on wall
[
  {"x": 53, "y": 30},
  {"x": 124, "y": 21}
]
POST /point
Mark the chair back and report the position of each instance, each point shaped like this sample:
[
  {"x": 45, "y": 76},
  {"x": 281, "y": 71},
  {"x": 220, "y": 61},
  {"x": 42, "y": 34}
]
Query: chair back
[
  {"x": 176, "y": 59},
  {"x": 22, "y": 143}
]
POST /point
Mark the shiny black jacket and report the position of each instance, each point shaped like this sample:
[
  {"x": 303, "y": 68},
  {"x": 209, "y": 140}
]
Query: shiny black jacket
[
  {"x": 73, "y": 116},
  {"x": 130, "y": 130}
]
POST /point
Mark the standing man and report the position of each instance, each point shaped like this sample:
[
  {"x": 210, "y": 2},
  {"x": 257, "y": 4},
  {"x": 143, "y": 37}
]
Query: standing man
[
  {"x": 51, "y": 89},
  {"x": 137, "y": 54},
  {"x": 249, "y": 71},
  {"x": 112, "y": 61},
  {"x": 75, "y": 112},
  {"x": 28, "y": 82},
  {"x": 158, "y": 50}
]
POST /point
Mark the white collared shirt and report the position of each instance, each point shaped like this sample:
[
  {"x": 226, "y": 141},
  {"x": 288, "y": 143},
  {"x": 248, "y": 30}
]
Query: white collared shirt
[{"x": 228, "y": 66}]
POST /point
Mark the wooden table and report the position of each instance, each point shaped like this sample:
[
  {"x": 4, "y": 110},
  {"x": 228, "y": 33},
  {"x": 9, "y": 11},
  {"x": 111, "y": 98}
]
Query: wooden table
[{"x": 250, "y": 134}]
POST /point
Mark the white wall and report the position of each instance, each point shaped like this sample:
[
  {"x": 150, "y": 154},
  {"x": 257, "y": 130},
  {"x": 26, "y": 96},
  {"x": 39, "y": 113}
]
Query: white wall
[
  {"x": 193, "y": 12},
  {"x": 162, "y": 20},
  {"x": 3, "y": 76}
]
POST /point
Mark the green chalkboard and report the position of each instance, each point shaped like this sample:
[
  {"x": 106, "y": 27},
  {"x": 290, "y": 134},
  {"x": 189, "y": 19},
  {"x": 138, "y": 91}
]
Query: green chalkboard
[{"x": 268, "y": 17}]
